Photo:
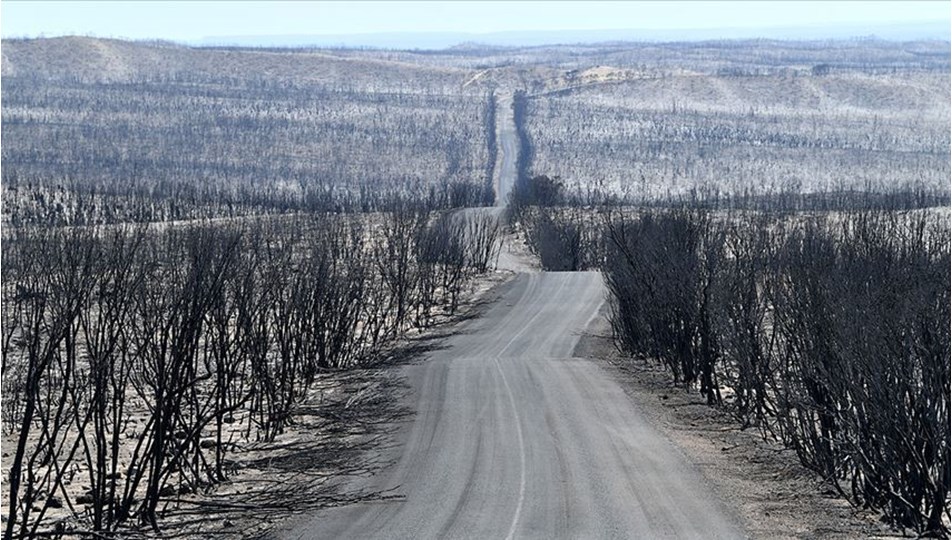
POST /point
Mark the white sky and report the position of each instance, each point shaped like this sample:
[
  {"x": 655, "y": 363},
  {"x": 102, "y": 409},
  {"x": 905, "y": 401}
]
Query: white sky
[{"x": 191, "y": 20}]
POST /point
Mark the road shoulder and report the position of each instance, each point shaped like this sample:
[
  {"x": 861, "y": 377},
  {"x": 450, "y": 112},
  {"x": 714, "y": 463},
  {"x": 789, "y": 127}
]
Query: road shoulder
[
  {"x": 771, "y": 493},
  {"x": 343, "y": 434}
]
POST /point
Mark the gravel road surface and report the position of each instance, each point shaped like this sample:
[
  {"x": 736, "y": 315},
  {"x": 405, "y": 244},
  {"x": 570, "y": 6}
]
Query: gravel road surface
[{"x": 512, "y": 437}]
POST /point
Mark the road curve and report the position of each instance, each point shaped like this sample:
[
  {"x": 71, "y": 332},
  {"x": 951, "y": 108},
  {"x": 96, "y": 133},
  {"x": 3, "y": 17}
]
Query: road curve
[{"x": 512, "y": 437}]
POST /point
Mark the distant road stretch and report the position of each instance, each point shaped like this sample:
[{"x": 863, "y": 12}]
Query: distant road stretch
[
  {"x": 507, "y": 141},
  {"x": 514, "y": 438}
]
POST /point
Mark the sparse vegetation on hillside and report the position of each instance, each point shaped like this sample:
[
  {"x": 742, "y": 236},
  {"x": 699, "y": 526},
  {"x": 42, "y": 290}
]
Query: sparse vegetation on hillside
[
  {"x": 192, "y": 142},
  {"x": 664, "y": 136}
]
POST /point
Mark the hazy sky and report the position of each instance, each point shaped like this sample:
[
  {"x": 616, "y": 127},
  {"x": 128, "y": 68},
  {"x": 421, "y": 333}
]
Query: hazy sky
[{"x": 192, "y": 20}]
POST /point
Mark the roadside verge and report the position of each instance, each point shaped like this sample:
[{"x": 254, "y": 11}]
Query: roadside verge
[{"x": 774, "y": 496}]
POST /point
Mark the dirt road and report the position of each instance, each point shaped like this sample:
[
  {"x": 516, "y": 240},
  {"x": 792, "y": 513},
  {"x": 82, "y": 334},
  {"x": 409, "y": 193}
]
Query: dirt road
[
  {"x": 508, "y": 144},
  {"x": 512, "y": 437}
]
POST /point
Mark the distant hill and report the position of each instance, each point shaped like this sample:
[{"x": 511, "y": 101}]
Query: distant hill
[
  {"x": 926, "y": 30},
  {"x": 87, "y": 58},
  {"x": 465, "y": 65}
]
